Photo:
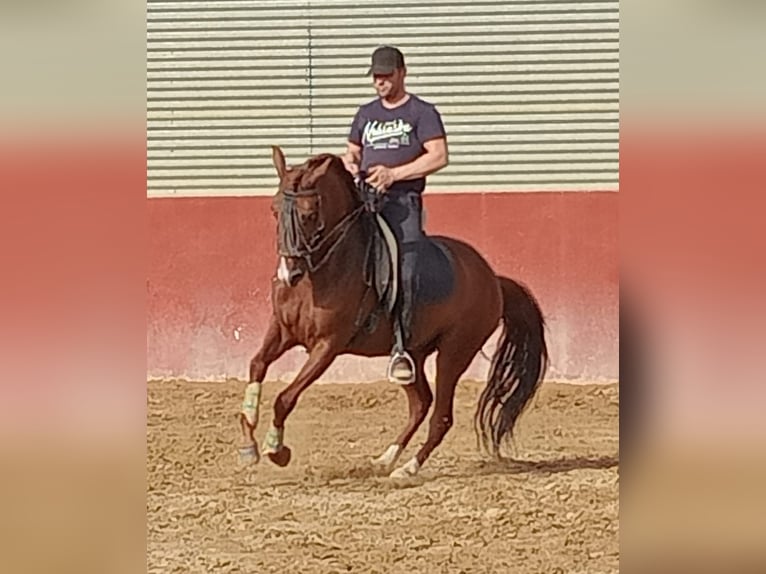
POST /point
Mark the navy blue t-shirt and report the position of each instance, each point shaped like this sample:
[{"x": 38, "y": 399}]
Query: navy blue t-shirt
[{"x": 392, "y": 137}]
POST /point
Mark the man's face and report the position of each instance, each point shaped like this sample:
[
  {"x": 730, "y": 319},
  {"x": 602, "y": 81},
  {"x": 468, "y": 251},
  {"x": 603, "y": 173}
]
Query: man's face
[{"x": 386, "y": 83}]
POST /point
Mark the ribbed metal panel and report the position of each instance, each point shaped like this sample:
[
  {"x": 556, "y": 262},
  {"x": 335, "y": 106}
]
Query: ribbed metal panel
[{"x": 528, "y": 90}]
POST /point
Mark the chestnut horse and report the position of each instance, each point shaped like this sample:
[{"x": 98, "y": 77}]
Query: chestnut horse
[{"x": 320, "y": 294}]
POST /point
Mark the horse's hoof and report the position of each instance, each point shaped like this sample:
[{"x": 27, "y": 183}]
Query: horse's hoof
[
  {"x": 281, "y": 457},
  {"x": 385, "y": 462},
  {"x": 409, "y": 470},
  {"x": 380, "y": 469},
  {"x": 399, "y": 473},
  {"x": 249, "y": 455}
]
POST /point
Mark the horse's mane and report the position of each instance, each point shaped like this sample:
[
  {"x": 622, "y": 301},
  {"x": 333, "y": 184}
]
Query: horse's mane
[{"x": 337, "y": 164}]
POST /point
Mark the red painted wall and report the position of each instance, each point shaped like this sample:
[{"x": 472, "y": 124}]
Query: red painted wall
[{"x": 211, "y": 262}]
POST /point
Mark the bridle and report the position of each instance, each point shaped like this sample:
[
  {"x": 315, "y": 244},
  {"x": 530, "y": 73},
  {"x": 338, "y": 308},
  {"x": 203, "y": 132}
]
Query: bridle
[{"x": 292, "y": 239}]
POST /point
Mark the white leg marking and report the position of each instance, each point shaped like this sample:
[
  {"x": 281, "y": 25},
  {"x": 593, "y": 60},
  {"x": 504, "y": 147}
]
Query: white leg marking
[
  {"x": 389, "y": 457},
  {"x": 408, "y": 470}
]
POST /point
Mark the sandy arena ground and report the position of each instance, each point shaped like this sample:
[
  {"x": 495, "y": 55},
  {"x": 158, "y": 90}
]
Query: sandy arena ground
[{"x": 553, "y": 510}]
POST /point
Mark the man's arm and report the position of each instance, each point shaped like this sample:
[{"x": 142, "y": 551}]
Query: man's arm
[
  {"x": 352, "y": 157},
  {"x": 436, "y": 157}
]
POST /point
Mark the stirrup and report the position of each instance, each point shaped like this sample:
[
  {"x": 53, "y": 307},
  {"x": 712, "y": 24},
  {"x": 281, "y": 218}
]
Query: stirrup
[{"x": 401, "y": 380}]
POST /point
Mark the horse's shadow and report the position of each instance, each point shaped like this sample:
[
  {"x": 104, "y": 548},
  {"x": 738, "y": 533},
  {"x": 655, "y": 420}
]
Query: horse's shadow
[
  {"x": 493, "y": 467},
  {"x": 511, "y": 466}
]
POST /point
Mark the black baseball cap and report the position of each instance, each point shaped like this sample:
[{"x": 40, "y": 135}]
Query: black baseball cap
[{"x": 385, "y": 60}]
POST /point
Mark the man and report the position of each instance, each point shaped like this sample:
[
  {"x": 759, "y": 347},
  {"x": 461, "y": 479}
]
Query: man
[{"x": 395, "y": 141}]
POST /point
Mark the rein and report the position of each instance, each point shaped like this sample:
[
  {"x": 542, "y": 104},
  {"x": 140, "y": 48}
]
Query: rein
[{"x": 294, "y": 243}]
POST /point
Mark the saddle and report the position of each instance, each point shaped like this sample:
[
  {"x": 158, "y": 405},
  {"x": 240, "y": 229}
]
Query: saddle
[{"x": 434, "y": 278}]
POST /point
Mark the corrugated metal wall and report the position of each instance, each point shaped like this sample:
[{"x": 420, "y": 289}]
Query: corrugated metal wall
[{"x": 528, "y": 90}]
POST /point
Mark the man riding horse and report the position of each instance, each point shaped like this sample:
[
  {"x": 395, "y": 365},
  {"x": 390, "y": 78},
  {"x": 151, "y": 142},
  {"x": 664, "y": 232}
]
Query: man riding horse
[
  {"x": 395, "y": 141},
  {"x": 323, "y": 297}
]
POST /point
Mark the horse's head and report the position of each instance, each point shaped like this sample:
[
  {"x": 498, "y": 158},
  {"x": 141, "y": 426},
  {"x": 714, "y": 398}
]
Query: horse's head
[{"x": 312, "y": 204}]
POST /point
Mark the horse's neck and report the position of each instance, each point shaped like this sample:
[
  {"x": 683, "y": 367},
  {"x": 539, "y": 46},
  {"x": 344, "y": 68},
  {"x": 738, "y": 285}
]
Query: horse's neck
[
  {"x": 345, "y": 266},
  {"x": 344, "y": 270}
]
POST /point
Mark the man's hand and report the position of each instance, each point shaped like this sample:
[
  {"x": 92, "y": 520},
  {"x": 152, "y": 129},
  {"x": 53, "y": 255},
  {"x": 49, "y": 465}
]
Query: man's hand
[
  {"x": 351, "y": 167},
  {"x": 381, "y": 177},
  {"x": 352, "y": 157}
]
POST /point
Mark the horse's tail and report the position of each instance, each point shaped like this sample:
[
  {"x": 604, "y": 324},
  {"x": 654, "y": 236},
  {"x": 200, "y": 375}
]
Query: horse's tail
[{"x": 517, "y": 368}]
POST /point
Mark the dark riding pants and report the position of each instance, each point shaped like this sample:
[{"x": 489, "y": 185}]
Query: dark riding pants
[{"x": 403, "y": 211}]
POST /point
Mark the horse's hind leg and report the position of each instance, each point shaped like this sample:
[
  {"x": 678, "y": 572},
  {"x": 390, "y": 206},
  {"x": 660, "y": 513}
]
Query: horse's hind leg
[
  {"x": 451, "y": 362},
  {"x": 419, "y": 398},
  {"x": 275, "y": 343}
]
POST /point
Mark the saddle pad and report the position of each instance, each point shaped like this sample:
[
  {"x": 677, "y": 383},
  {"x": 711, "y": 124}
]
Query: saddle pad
[{"x": 434, "y": 276}]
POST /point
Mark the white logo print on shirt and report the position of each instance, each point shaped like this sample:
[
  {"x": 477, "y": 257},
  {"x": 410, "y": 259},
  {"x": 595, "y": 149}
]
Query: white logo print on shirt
[{"x": 389, "y": 134}]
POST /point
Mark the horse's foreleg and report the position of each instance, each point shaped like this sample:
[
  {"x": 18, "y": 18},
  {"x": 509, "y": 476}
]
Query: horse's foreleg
[
  {"x": 275, "y": 343},
  {"x": 320, "y": 357}
]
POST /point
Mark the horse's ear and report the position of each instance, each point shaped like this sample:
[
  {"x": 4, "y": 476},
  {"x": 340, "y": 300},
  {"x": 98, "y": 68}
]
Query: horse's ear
[
  {"x": 319, "y": 171},
  {"x": 279, "y": 161}
]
